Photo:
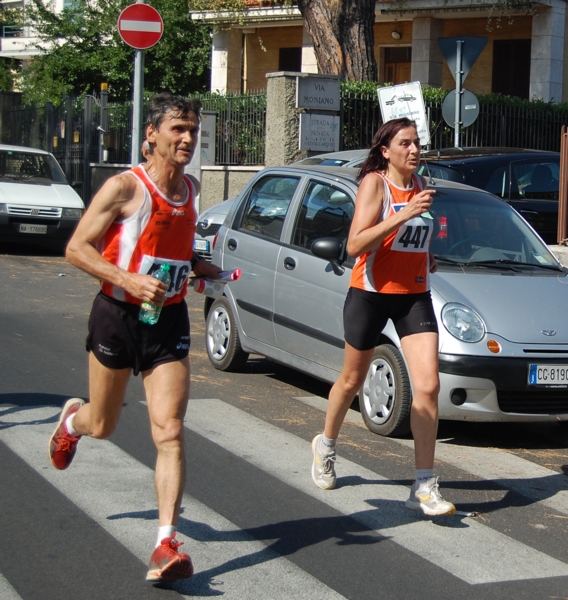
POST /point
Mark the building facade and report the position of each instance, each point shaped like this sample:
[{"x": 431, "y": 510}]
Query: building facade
[{"x": 525, "y": 55}]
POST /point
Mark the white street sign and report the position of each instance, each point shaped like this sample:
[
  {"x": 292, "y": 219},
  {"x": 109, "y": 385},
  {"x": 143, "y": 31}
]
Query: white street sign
[{"x": 405, "y": 100}]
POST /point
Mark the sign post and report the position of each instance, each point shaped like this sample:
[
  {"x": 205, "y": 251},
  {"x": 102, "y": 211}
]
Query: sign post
[
  {"x": 141, "y": 27},
  {"x": 460, "y": 54}
]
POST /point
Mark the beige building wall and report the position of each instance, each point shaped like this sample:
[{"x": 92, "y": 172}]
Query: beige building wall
[
  {"x": 262, "y": 51},
  {"x": 479, "y": 78},
  {"x": 263, "y": 44}
]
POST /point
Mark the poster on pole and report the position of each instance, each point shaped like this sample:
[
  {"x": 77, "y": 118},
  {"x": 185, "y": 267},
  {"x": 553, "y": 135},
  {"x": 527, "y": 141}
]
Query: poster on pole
[{"x": 405, "y": 100}]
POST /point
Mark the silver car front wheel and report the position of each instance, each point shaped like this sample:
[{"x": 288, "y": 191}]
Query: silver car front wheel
[
  {"x": 385, "y": 397},
  {"x": 222, "y": 338}
]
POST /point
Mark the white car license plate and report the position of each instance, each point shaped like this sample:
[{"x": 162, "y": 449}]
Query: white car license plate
[
  {"x": 548, "y": 374},
  {"x": 201, "y": 245},
  {"x": 27, "y": 228}
]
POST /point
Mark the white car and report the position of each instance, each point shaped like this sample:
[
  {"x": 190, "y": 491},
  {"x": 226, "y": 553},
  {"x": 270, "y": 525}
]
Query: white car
[{"x": 37, "y": 204}]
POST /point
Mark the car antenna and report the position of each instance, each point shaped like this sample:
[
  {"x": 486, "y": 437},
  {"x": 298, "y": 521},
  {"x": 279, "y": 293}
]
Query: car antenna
[{"x": 431, "y": 179}]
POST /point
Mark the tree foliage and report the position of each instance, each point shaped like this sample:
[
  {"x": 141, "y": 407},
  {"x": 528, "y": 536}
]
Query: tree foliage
[
  {"x": 9, "y": 67},
  {"x": 82, "y": 49}
]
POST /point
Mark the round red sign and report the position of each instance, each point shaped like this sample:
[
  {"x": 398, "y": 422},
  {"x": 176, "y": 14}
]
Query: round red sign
[{"x": 140, "y": 26}]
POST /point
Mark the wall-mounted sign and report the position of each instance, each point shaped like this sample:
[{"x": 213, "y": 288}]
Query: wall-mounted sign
[
  {"x": 405, "y": 100},
  {"x": 319, "y": 132},
  {"x": 318, "y": 92}
]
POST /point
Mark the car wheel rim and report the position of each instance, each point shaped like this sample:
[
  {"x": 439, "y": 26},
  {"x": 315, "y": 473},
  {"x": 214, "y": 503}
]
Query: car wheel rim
[
  {"x": 379, "y": 391},
  {"x": 218, "y": 334}
]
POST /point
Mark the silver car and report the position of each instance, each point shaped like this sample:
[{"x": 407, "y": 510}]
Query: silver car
[
  {"x": 499, "y": 297},
  {"x": 208, "y": 224}
]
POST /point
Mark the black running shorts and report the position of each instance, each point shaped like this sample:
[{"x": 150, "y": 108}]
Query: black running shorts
[
  {"x": 365, "y": 315},
  {"x": 119, "y": 340}
]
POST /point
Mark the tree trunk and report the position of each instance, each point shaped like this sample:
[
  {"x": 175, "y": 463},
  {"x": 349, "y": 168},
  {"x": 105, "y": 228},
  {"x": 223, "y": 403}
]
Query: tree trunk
[{"x": 343, "y": 36}]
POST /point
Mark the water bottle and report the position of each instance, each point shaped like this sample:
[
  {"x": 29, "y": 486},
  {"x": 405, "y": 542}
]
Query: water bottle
[
  {"x": 214, "y": 287},
  {"x": 150, "y": 313}
]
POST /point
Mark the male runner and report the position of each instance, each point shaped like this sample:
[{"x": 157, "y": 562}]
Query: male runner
[{"x": 138, "y": 220}]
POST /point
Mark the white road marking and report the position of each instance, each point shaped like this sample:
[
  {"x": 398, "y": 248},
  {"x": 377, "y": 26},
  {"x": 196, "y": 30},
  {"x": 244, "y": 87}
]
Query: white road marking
[
  {"x": 523, "y": 476},
  {"x": 469, "y": 550},
  {"x": 7, "y": 592},
  {"x": 117, "y": 492}
]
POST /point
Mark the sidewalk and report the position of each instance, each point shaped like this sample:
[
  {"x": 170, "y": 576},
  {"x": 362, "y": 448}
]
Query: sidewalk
[{"x": 561, "y": 253}]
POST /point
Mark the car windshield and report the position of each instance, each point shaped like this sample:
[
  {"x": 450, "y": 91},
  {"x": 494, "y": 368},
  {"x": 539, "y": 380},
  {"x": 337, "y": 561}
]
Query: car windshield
[
  {"x": 474, "y": 228},
  {"x": 18, "y": 165},
  {"x": 431, "y": 169}
]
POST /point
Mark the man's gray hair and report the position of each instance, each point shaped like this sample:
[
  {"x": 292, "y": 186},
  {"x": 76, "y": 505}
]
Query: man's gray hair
[{"x": 165, "y": 103}]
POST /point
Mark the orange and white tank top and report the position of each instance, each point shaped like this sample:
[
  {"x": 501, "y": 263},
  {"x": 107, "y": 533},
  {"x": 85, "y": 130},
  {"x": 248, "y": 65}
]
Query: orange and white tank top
[
  {"x": 401, "y": 264},
  {"x": 160, "y": 231}
]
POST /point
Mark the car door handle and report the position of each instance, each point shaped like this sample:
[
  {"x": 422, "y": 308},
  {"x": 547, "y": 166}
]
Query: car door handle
[
  {"x": 529, "y": 213},
  {"x": 232, "y": 244},
  {"x": 289, "y": 263}
]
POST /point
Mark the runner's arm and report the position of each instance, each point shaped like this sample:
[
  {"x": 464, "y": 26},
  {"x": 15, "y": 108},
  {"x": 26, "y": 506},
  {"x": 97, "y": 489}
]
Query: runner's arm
[
  {"x": 119, "y": 197},
  {"x": 365, "y": 233}
]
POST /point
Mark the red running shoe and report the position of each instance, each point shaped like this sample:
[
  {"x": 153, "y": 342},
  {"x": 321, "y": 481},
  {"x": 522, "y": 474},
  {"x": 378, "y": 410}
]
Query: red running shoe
[
  {"x": 167, "y": 564},
  {"x": 62, "y": 446}
]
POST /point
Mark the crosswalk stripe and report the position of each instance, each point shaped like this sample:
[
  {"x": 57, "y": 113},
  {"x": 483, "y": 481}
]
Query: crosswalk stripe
[
  {"x": 528, "y": 479},
  {"x": 117, "y": 492},
  {"x": 470, "y": 550},
  {"x": 7, "y": 592}
]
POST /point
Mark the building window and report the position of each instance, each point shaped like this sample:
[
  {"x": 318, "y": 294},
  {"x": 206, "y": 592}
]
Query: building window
[
  {"x": 398, "y": 65},
  {"x": 511, "y": 67},
  {"x": 290, "y": 59}
]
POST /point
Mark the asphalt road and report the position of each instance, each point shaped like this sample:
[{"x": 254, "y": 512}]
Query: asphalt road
[{"x": 253, "y": 521}]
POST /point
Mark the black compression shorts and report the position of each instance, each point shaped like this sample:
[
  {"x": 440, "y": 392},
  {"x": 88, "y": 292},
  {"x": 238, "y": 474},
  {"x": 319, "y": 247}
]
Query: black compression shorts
[
  {"x": 365, "y": 315},
  {"x": 119, "y": 340}
]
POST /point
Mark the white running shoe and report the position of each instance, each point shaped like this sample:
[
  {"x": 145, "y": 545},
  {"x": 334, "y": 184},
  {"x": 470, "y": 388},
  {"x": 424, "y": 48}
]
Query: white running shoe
[
  {"x": 323, "y": 467},
  {"x": 429, "y": 500}
]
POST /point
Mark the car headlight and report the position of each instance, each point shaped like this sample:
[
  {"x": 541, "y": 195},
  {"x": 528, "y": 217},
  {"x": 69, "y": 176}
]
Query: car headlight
[
  {"x": 3, "y": 209},
  {"x": 462, "y": 322},
  {"x": 72, "y": 213}
]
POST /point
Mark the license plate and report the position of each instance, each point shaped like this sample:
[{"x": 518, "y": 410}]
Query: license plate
[
  {"x": 201, "y": 245},
  {"x": 548, "y": 374},
  {"x": 26, "y": 228}
]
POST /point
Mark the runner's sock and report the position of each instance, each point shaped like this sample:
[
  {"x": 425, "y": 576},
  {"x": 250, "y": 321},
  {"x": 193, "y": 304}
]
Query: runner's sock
[
  {"x": 69, "y": 425},
  {"x": 327, "y": 446},
  {"x": 422, "y": 476},
  {"x": 166, "y": 531}
]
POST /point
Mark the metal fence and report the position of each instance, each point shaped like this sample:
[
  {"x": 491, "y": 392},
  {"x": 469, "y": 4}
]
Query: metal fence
[
  {"x": 537, "y": 127},
  {"x": 71, "y": 130},
  {"x": 240, "y": 123}
]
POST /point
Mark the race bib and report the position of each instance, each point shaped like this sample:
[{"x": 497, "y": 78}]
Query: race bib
[
  {"x": 179, "y": 271},
  {"x": 414, "y": 235}
]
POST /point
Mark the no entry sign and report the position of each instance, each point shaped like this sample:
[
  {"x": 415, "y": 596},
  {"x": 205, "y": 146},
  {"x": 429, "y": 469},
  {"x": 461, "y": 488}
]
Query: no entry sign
[{"x": 140, "y": 26}]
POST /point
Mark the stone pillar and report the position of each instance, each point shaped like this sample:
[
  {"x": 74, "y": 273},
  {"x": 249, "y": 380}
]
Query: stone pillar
[
  {"x": 282, "y": 123},
  {"x": 283, "y": 118},
  {"x": 427, "y": 58},
  {"x": 309, "y": 62},
  {"x": 226, "y": 58},
  {"x": 547, "y": 52}
]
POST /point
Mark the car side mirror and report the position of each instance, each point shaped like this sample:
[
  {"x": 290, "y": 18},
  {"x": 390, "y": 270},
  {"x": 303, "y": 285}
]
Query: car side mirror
[{"x": 331, "y": 249}]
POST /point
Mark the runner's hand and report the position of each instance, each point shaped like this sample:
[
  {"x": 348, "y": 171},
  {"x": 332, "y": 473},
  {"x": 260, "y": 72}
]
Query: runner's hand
[
  {"x": 419, "y": 204},
  {"x": 145, "y": 288}
]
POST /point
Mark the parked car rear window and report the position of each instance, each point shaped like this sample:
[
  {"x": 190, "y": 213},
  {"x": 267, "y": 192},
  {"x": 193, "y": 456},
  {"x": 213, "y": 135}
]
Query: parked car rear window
[{"x": 268, "y": 205}]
